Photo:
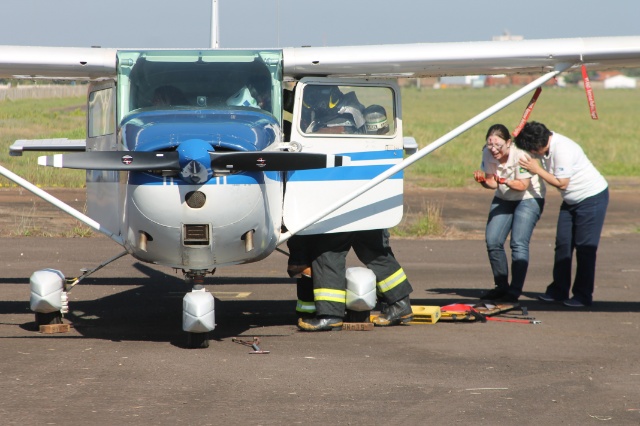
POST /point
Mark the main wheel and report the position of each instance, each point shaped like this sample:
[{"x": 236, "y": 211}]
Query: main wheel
[{"x": 48, "y": 318}]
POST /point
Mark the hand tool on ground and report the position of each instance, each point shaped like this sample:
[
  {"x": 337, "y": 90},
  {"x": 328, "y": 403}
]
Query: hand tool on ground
[
  {"x": 520, "y": 321},
  {"x": 252, "y": 344}
]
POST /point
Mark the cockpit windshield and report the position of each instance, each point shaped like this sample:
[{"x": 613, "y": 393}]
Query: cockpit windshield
[{"x": 209, "y": 79}]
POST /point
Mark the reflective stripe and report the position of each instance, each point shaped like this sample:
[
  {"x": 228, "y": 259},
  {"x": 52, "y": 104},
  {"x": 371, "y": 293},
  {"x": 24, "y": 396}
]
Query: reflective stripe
[
  {"x": 307, "y": 307},
  {"x": 393, "y": 281},
  {"x": 330, "y": 295}
]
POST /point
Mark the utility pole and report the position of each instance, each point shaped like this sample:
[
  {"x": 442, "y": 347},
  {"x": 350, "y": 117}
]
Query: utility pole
[{"x": 215, "y": 30}]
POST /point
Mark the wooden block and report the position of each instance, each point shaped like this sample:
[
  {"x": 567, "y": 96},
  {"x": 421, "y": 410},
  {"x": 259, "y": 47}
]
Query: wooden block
[
  {"x": 54, "y": 328},
  {"x": 357, "y": 326}
]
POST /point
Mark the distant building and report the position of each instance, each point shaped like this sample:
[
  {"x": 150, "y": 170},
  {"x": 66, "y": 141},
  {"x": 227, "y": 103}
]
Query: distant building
[
  {"x": 620, "y": 82},
  {"x": 515, "y": 80},
  {"x": 463, "y": 80},
  {"x": 507, "y": 36}
]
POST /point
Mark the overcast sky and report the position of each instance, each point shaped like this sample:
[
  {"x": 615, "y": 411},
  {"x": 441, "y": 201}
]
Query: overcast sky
[{"x": 285, "y": 23}]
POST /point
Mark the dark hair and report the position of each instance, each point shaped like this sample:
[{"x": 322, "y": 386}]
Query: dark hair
[
  {"x": 499, "y": 130},
  {"x": 533, "y": 136},
  {"x": 168, "y": 95}
]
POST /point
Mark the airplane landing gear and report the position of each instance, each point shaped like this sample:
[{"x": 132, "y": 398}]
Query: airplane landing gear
[
  {"x": 48, "y": 318},
  {"x": 198, "y": 312},
  {"x": 48, "y": 296},
  {"x": 49, "y": 288},
  {"x": 197, "y": 340}
]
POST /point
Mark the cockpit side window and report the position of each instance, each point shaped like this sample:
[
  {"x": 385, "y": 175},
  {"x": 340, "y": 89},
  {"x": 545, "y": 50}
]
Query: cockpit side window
[{"x": 353, "y": 110}]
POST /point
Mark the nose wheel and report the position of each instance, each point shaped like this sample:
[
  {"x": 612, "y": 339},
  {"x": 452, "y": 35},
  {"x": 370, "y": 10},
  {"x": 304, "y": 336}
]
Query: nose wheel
[
  {"x": 198, "y": 313},
  {"x": 197, "y": 340}
]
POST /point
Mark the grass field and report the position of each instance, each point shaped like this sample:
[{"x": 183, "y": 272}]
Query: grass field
[
  {"x": 610, "y": 142},
  {"x": 41, "y": 119}
]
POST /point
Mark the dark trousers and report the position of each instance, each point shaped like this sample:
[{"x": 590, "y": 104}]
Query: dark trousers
[
  {"x": 328, "y": 266},
  {"x": 373, "y": 249},
  {"x": 329, "y": 253},
  {"x": 579, "y": 228}
]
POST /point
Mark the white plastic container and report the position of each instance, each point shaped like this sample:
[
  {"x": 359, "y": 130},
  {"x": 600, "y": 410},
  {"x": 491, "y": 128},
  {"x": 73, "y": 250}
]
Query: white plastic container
[
  {"x": 47, "y": 290},
  {"x": 198, "y": 311},
  {"x": 361, "y": 289}
]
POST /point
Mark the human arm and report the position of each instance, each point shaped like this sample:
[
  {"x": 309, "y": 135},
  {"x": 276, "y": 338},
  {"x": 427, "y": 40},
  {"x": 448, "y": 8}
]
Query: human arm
[
  {"x": 535, "y": 168},
  {"x": 518, "y": 184}
]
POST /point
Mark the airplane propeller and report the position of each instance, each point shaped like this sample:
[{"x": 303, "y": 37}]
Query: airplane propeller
[
  {"x": 193, "y": 167},
  {"x": 234, "y": 161}
]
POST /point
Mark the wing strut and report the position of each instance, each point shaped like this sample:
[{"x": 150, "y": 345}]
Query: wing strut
[
  {"x": 428, "y": 149},
  {"x": 60, "y": 204}
]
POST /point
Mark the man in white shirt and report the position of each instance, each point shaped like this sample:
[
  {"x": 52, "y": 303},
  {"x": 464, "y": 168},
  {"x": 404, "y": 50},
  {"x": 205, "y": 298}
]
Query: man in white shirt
[{"x": 585, "y": 196}]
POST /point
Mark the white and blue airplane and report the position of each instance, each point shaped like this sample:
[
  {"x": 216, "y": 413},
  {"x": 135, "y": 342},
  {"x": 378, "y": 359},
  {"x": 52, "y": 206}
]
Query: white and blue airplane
[{"x": 205, "y": 158}]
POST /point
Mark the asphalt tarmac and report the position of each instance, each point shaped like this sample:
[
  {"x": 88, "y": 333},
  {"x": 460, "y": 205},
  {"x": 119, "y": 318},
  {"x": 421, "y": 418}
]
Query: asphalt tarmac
[{"x": 125, "y": 362}]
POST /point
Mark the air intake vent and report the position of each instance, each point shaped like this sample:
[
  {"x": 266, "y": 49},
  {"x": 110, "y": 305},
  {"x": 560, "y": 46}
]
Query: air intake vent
[
  {"x": 195, "y": 199},
  {"x": 196, "y": 235}
]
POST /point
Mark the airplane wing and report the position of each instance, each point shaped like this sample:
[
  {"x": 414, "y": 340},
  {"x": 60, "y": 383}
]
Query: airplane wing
[
  {"x": 57, "y": 62},
  {"x": 470, "y": 58},
  {"x": 59, "y": 144},
  {"x": 406, "y": 60}
]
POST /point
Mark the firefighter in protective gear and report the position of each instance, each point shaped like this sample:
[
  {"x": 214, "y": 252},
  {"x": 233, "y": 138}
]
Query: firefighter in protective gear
[
  {"x": 325, "y": 109},
  {"x": 326, "y": 106},
  {"x": 376, "y": 122},
  {"x": 328, "y": 265}
]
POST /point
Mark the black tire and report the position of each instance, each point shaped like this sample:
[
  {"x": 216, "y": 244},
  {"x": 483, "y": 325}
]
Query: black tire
[
  {"x": 197, "y": 340},
  {"x": 48, "y": 318}
]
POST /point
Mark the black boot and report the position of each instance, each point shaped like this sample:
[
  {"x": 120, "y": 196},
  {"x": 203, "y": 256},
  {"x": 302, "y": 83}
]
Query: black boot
[
  {"x": 495, "y": 293},
  {"x": 320, "y": 323},
  {"x": 397, "y": 313}
]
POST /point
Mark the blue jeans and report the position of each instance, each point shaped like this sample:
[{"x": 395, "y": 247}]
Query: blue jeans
[
  {"x": 518, "y": 218},
  {"x": 579, "y": 229}
]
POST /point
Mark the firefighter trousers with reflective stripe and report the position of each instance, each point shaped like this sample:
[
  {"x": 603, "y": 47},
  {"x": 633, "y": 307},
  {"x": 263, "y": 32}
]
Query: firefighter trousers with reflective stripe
[
  {"x": 306, "y": 304},
  {"x": 373, "y": 249},
  {"x": 329, "y": 257},
  {"x": 329, "y": 265}
]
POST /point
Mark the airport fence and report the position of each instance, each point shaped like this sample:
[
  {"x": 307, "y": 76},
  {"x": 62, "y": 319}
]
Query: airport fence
[{"x": 41, "y": 91}]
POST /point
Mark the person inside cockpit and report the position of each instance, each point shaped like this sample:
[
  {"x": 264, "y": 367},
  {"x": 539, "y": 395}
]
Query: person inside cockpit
[
  {"x": 325, "y": 109},
  {"x": 376, "y": 122},
  {"x": 168, "y": 96},
  {"x": 254, "y": 94}
]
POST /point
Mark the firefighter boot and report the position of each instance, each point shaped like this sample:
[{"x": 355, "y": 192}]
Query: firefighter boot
[
  {"x": 320, "y": 323},
  {"x": 394, "y": 314}
]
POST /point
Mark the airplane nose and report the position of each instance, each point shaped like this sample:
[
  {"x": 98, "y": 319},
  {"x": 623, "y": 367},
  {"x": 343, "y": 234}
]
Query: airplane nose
[{"x": 195, "y": 162}]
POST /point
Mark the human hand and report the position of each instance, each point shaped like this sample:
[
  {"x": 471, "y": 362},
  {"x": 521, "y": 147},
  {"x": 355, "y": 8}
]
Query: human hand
[
  {"x": 478, "y": 175},
  {"x": 499, "y": 179},
  {"x": 531, "y": 164}
]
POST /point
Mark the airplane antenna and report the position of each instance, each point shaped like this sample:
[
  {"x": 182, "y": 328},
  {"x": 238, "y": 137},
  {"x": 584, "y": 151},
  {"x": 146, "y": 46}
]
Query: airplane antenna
[{"x": 215, "y": 29}]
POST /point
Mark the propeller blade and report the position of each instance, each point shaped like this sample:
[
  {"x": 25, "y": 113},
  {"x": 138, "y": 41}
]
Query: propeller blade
[
  {"x": 274, "y": 161},
  {"x": 113, "y": 160}
]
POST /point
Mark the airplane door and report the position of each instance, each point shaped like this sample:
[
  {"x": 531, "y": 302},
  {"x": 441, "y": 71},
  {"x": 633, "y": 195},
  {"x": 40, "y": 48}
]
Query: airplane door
[
  {"x": 103, "y": 189},
  {"x": 356, "y": 118}
]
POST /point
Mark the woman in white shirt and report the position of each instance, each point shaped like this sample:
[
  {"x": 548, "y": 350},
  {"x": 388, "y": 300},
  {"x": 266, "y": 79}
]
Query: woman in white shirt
[{"x": 515, "y": 209}]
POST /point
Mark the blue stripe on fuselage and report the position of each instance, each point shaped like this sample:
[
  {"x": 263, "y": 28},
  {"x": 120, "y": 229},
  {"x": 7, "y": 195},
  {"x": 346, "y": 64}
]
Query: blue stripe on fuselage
[
  {"x": 374, "y": 155},
  {"x": 341, "y": 173},
  {"x": 353, "y": 172}
]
